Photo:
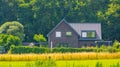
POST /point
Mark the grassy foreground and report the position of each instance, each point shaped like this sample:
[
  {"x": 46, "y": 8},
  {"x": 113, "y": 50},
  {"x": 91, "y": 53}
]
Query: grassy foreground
[
  {"x": 88, "y": 63},
  {"x": 65, "y": 63}
]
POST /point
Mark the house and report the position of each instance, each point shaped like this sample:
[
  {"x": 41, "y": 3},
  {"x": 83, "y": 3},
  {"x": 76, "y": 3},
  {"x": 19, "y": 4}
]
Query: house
[{"x": 74, "y": 34}]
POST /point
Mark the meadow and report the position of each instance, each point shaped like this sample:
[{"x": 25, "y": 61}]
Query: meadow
[
  {"x": 65, "y": 63},
  {"x": 83, "y": 59},
  {"x": 60, "y": 56}
]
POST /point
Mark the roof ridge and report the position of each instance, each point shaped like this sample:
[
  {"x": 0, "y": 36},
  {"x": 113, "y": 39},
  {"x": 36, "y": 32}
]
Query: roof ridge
[{"x": 84, "y": 23}]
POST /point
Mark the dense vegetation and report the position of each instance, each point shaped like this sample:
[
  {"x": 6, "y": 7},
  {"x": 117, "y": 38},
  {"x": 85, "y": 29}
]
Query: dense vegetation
[
  {"x": 40, "y": 16},
  {"x": 34, "y": 49},
  {"x": 39, "y": 50}
]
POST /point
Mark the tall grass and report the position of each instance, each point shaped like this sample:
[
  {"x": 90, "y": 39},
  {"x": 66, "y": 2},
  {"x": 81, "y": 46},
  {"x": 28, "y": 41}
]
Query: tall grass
[{"x": 59, "y": 56}]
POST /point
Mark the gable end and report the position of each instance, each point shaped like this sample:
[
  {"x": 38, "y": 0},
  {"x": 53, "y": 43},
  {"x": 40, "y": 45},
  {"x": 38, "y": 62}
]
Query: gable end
[{"x": 62, "y": 21}]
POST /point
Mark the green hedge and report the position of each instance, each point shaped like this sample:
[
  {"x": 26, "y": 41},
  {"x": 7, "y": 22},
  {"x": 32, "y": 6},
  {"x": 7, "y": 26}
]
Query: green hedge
[
  {"x": 27, "y": 49},
  {"x": 63, "y": 50}
]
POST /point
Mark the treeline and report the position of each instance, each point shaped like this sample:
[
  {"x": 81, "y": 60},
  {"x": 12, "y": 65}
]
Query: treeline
[{"x": 40, "y": 16}]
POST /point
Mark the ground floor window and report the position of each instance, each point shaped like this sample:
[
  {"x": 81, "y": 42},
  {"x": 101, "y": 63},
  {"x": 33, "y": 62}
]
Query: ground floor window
[{"x": 63, "y": 45}]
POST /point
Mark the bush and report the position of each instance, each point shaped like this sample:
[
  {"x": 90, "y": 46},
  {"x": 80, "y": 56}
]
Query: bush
[
  {"x": 63, "y": 50},
  {"x": 27, "y": 49},
  {"x": 35, "y": 49},
  {"x": 116, "y": 44},
  {"x": 7, "y": 40}
]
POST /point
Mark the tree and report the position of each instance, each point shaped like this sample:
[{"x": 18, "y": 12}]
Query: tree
[
  {"x": 40, "y": 16},
  {"x": 110, "y": 18},
  {"x": 39, "y": 38},
  {"x": 8, "y": 40},
  {"x": 14, "y": 28}
]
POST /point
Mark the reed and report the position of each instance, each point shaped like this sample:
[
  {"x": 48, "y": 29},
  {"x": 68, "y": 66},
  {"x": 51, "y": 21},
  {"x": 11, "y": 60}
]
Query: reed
[{"x": 59, "y": 56}]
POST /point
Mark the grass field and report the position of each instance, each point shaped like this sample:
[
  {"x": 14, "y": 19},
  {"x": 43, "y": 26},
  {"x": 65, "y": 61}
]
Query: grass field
[
  {"x": 62, "y": 63},
  {"x": 60, "y": 56}
]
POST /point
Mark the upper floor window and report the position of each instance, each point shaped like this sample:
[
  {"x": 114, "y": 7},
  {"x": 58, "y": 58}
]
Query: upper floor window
[
  {"x": 58, "y": 34},
  {"x": 88, "y": 34},
  {"x": 68, "y": 33}
]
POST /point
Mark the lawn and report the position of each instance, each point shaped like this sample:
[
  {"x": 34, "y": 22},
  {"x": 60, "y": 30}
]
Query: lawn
[{"x": 64, "y": 63}]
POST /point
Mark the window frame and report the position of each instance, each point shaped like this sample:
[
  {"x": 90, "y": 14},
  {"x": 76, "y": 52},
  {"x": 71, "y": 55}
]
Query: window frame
[
  {"x": 87, "y": 31},
  {"x": 68, "y": 32},
  {"x": 58, "y": 34}
]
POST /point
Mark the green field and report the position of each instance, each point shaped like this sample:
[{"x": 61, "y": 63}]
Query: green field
[{"x": 62, "y": 63}]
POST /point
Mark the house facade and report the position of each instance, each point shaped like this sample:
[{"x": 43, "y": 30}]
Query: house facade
[{"x": 74, "y": 35}]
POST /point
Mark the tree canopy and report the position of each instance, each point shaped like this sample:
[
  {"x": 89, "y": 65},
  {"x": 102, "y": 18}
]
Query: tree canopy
[
  {"x": 40, "y": 16},
  {"x": 14, "y": 28},
  {"x": 8, "y": 40},
  {"x": 39, "y": 38}
]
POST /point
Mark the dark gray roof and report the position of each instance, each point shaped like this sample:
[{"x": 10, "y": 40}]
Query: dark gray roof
[{"x": 79, "y": 27}]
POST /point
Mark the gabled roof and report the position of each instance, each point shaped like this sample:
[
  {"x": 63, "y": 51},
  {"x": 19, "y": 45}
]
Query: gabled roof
[
  {"x": 63, "y": 20},
  {"x": 79, "y": 27}
]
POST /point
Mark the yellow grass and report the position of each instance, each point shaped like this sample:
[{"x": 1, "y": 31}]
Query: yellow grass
[{"x": 59, "y": 56}]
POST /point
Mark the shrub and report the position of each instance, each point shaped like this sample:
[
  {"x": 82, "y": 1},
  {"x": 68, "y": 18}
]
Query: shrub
[
  {"x": 8, "y": 40},
  {"x": 35, "y": 49},
  {"x": 116, "y": 44},
  {"x": 27, "y": 49}
]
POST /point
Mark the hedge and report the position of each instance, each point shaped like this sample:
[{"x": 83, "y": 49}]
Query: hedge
[
  {"x": 37, "y": 50},
  {"x": 27, "y": 49},
  {"x": 63, "y": 50}
]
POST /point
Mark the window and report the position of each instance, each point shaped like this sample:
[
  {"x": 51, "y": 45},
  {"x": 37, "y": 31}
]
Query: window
[
  {"x": 84, "y": 34},
  {"x": 58, "y": 34},
  {"x": 68, "y": 33},
  {"x": 63, "y": 45},
  {"x": 88, "y": 34}
]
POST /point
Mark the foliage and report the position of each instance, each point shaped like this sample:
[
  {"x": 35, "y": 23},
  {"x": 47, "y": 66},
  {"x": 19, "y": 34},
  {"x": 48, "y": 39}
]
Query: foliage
[
  {"x": 14, "y": 28},
  {"x": 27, "y": 49},
  {"x": 8, "y": 40},
  {"x": 39, "y": 38},
  {"x": 40, "y": 16},
  {"x": 37, "y": 50},
  {"x": 116, "y": 44},
  {"x": 64, "y": 50},
  {"x": 2, "y": 49}
]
